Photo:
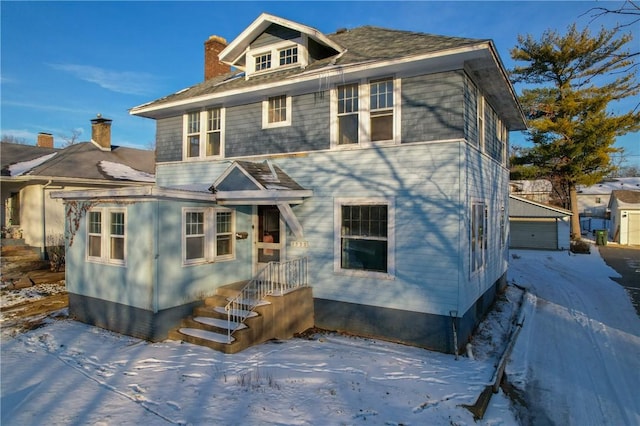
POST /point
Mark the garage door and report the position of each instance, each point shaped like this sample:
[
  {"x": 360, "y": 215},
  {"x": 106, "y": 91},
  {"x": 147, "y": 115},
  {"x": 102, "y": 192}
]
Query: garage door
[
  {"x": 634, "y": 228},
  {"x": 534, "y": 234}
]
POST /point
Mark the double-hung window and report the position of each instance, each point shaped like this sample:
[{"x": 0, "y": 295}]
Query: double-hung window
[
  {"x": 381, "y": 109},
  {"x": 276, "y": 111},
  {"x": 194, "y": 235},
  {"x": 478, "y": 235},
  {"x": 214, "y": 132},
  {"x": 208, "y": 235},
  {"x": 365, "y": 113},
  {"x": 94, "y": 248},
  {"x": 364, "y": 237},
  {"x": 348, "y": 117},
  {"x": 193, "y": 134},
  {"x": 106, "y": 236},
  {"x": 204, "y": 134}
]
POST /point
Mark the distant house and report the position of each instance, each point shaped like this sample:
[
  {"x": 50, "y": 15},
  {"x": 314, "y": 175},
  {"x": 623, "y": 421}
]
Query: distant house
[
  {"x": 538, "y": 190},
  {"x": 593, "y": 201},
  {"x": 30, "y": 173},
  {"x": 369, "y": 165},
  {"x": 624, "y": 205},
  {"x": 535, "y": 225}
]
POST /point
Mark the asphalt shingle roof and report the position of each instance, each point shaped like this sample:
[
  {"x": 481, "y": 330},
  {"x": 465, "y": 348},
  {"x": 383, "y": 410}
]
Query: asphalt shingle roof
[
  {"x": 80, "y": 161},
  {"x": 362, "y": 44}
]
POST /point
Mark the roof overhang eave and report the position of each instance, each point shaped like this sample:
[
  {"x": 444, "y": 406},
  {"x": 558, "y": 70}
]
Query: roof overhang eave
[
  {"x": 263, "y": 197},
  {"x": 149, "y": 192}
]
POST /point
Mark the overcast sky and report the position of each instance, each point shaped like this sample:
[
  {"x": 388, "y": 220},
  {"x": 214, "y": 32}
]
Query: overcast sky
[{"x": 64, "y": 62}]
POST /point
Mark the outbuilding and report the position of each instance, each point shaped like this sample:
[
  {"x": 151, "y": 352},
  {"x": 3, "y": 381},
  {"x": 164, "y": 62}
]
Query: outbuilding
[
  {"x": 624, "y": 205},
  {"x": 535, "y": 225}
]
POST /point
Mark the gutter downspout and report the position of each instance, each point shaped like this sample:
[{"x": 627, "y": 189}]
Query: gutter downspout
[{"x": 43, "y": 253}]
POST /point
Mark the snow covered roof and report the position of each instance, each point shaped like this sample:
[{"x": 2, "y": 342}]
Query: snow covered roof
[
  {"x": 82, "y": 161},
  {"x": 626, "y": 198},
  {"x": 605, "y": 187}
]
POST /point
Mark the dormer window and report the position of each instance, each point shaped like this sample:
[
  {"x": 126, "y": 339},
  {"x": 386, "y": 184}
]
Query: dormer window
[
  {"x": 275, "y": 57},
  {"x": 263, "y": 62},
  {"x": 289, "y": 56}
]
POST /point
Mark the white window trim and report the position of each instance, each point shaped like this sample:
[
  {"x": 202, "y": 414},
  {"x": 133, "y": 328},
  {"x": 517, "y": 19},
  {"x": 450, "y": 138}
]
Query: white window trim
[
  {"x": 364, "y": 115},
  {"x": 265, "y": 114},
  {"x": 391, "y": 238},
  {"x": 105, "y": 237},
  {"x": 481, "y": 121},
  {"x": 483, "y": 248},
  {"x": 210, "y": 235},
  {"x": 202, "y": 155}
]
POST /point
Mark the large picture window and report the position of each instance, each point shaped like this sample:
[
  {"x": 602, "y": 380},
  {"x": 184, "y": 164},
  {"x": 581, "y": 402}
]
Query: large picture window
[
  {"x": 208, "y": 235},
  {"x": 106, "y": 236},
  {"x": 364, "y": 240}
]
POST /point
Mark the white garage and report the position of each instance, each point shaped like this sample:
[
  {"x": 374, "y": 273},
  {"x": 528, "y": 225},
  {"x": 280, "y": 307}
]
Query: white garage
[
  {"x": 535, "y": 225},
  {"x": 625, "y": 216}
]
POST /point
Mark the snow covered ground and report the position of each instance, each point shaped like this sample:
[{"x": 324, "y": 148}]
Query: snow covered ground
[{"x": 576, "y": 361}]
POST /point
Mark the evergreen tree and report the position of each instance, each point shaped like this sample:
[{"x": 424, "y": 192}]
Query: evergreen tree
[{"x": 571, "y": 81}]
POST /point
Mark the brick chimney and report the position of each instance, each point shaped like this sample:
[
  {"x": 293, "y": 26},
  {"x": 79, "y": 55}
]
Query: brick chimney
[
  {"x": 101, "y": 132},
  {"x": 212, "y": 65},
  {"x": 45, "y": 140}
]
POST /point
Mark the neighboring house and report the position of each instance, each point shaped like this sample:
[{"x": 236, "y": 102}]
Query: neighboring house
[
  {"x": 535, "y": 225},
  {"x": 593, "y": 201},
  {"x": 31, "y": 173},
  {"x": 624, "y": 205},
  {"x": 378, "y": 155},
  {"x": 537, "y": 190}
]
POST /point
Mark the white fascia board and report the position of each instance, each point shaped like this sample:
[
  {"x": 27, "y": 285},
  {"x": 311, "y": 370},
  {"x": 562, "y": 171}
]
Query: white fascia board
[
  {"x": 310, "y": 76},
  {"x": 232, "y": 167},
  {"x": 139, "y": 192},
  {"x": 262, "y": 197}
]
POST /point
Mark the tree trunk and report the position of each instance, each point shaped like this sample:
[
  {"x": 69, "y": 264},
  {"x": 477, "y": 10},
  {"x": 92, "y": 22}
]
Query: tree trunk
[{"x": 575, "y": 219}]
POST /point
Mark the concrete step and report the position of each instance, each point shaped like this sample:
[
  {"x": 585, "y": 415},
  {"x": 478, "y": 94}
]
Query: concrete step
[
  {"x": 237, "y": 312},
  {"x": 219, "y": 323},
  {"x": 206, "y": 335}
]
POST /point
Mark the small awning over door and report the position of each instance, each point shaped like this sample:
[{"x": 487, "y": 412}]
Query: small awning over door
[{"x": 249, "y": 183}]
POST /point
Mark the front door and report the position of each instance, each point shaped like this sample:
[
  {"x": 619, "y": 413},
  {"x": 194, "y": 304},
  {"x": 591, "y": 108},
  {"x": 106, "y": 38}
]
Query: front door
[{"x": 270, "y": 235}]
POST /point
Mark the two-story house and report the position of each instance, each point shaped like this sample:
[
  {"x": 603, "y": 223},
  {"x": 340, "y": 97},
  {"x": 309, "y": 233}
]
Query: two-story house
[{"x": 369, "y": 163}]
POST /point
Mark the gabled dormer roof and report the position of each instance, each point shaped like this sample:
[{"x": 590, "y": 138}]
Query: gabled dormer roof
[{"x": 233, "y": 54}]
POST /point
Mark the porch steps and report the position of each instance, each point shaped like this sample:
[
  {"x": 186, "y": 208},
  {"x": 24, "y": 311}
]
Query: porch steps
[{"x": 275, "y": 317}]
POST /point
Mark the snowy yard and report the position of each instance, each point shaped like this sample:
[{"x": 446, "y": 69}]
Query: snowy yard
[{"x": 576, "y": 361}]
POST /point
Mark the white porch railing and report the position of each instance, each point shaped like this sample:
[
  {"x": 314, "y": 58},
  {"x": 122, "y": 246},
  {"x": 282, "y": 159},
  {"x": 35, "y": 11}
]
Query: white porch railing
[{"x": 276, "y": 278}]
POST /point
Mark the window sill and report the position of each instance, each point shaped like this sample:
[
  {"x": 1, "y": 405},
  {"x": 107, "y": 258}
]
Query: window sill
[
  {"x": 101, "y": 261},
  {"x": 365, "y": 274}
]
